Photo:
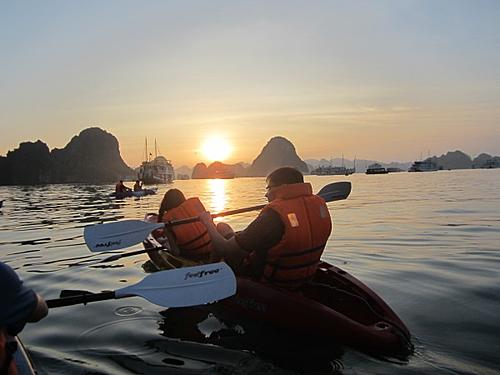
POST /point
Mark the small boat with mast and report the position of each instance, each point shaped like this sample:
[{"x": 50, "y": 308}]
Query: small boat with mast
[{"x": 156, "y": 171}]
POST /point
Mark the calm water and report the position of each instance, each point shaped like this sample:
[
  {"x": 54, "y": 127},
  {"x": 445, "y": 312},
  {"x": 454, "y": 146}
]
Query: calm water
[{"x": 427, "y": 243}]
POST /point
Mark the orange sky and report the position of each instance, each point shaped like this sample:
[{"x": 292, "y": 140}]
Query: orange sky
[{"x": 388, "y": 81}]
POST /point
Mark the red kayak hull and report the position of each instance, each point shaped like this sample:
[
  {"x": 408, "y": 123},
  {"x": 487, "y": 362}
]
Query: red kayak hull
[{"x": 334, "y": 305}]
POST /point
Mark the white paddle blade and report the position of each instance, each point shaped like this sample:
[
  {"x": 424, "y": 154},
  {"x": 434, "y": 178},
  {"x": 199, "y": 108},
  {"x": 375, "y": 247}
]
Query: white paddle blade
[
  {"x": 187, "y": 286},
  {"x": 118, "y": 235}
]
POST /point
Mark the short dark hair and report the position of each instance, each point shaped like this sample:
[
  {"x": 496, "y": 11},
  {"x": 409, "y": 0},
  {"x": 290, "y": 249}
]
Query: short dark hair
[
  {"x": 285, "y": 175},
  {"x": 172, "y": 198}
]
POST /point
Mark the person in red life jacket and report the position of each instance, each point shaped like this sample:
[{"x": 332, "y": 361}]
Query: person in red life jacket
[
  {"x": 192, "y": 240},
  {"x": 121, "y": 188},
  {"x": 284, "y": 244},
  {"x": 18, "y": 305}
]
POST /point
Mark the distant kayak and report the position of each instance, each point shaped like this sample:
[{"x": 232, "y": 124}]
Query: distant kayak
[
  {"x": 139, "y": 193},
  {"x": 333, "y": 305}
]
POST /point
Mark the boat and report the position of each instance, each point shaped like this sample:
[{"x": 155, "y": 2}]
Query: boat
[
  {"x": 376, "y": 168},
  {"x": 131, "y": 193},
  {"x": 24, "y": 363},
  {"x": 330, "y": 170},
  {"x": 423, "y": 166},
  {"x": 334, "y": 305},
  {"x": 156, "y": 171},
  {"x": 394, "y": 170},
  {"x": 333, "y": 171}
]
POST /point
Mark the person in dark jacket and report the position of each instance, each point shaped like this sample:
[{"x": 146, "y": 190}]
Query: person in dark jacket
[{"x": 18, "y": 306}]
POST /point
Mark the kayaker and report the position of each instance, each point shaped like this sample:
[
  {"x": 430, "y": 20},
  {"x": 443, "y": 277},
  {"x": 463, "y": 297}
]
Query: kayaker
[
  {"x": 18, "y": 305},
  {"x": 137, "y": 185},
  {"x": 188, "y": 240},
  {"x": 121, "y": 188},
  {"x": 283, "y": 245}
]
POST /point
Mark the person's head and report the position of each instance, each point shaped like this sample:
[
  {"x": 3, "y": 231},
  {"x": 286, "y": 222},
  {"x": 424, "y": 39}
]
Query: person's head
[
  {"x": 282, "y": 176},
  {"x": 172, "y": 198},
  {"x": 121, "y": 182},
  {"x": 137, "y": 181}
]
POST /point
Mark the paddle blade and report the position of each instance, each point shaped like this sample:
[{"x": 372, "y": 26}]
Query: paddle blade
[
  {"x": 335, "y": 191},
  {"x": 189, "y": 286},
  {"x": 118, "y": 235}
]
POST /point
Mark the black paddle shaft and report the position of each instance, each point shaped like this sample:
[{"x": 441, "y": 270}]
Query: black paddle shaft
[
  {"x": 83, "y": 298},
  {"x": 220, "y": 214}
]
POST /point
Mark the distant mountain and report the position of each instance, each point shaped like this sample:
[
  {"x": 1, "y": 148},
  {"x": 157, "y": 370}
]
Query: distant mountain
[
  {"x": 452, "y": 160},
  {"x": 278, "y": 152},
  {"x": 93, "y": 156},
  {"x": 183, "y": 172},
  {"x": 29, "y": 164},
  {"x": 486, "y": 161},
  {"x": 218, "y": 170}
]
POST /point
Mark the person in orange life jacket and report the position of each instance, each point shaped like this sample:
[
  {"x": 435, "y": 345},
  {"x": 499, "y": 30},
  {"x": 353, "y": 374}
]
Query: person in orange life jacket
[
  {"x": 121, "y": 188},
  {"x": 18, "y": 305},
  {"x": 284, "y": 244},
  {"x": 188, "y": 240}
]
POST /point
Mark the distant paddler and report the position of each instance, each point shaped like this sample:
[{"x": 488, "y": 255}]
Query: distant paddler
[
  {"x": 138, "y": 185},
  {"x": 121, "y": 188}
]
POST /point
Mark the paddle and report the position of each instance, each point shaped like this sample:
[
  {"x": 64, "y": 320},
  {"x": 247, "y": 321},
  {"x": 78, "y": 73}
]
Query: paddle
[
  {"x": 189, "y": 286},
  {"x": 126, "y": 233}
]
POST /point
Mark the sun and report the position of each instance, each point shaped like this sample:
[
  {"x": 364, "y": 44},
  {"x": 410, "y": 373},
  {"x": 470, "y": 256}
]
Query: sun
[{"x": 216, "y": 149}]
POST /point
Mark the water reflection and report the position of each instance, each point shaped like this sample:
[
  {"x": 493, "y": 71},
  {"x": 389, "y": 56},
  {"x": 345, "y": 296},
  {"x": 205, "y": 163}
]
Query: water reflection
[
  {"x": 217, "y": 189},
  {"x": 426, "y": 243},
  {"x": 284, "y": 349}
]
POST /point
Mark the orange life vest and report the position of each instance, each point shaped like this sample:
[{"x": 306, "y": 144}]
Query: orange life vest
[
  {"x": 7, "y": 363},
  {"x": 192, "y": 239},
  {"x": 307, "y": 226}
]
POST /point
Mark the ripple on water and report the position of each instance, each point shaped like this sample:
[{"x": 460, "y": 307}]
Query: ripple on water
[{"x": 427, "y": 243}]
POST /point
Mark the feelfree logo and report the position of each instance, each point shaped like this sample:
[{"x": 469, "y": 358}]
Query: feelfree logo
[
  {"x": 201, "y": 273},
  {"x": 108, "y": 244}
]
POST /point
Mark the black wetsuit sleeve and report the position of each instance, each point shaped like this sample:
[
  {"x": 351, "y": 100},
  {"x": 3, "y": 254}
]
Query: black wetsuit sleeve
[{"x": 261, "y": 235}]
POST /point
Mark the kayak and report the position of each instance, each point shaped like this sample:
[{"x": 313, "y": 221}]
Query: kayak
[
  {"x": 139, "y": 193},
  {"x": 334, "y": 305},
  {"x": 24, "y": 363}
]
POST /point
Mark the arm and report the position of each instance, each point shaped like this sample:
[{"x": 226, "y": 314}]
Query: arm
[
  {"x": 228, "y": 249},
  {"x": 41, "y": 310},
  {"x": 18, "y": 304}
]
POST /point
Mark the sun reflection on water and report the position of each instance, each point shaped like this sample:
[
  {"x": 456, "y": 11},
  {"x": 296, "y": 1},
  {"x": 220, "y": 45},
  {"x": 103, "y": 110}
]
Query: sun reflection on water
[{"x": 217, "y": 195}]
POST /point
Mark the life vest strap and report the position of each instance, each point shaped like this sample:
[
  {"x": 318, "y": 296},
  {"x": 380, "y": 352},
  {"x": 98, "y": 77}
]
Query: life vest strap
[
  {"x": 304, "y": 252},
  {"x": 197, "y": 247},
  {"x": 193, "y": 240}
]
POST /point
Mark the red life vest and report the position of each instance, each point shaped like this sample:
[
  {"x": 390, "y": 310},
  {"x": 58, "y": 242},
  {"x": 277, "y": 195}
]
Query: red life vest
[
  {"x": 307, "y": 226},
  {"x": 7, "y": 362},
  {"x": 192, "y": 239}
]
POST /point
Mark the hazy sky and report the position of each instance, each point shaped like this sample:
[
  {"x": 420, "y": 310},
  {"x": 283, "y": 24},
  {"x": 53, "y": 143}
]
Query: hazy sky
[{"x": 385, "y": 80}]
